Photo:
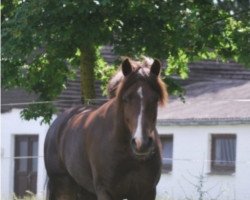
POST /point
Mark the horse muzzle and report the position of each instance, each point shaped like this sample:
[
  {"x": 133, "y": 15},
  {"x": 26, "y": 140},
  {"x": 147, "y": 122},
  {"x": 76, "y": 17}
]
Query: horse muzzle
[{"x": 142, "y": 147}]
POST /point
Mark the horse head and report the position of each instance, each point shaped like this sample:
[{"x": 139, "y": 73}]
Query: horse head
[{"x": 139, "y": 94}]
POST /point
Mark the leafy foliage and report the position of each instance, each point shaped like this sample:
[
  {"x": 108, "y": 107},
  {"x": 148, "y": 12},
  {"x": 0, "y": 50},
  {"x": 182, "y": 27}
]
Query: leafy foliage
[
  {"x": 173, "y": 28},
  {"x": 41, "y": 39},
  {"x": 103, "y": 72}
]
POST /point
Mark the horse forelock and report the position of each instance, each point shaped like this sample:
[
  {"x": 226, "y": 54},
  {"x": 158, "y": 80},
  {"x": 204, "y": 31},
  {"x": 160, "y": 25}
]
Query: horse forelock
[{"x": 118, "y": 77}]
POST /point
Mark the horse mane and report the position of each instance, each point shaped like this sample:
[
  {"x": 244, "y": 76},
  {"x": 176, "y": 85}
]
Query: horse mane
[{"x": 140, "y": 71}]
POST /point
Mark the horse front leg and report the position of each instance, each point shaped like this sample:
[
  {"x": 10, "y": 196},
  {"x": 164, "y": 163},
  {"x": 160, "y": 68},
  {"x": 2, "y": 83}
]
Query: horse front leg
[
  {"x": 61, "y": 187},
  {"x": 86, "y": 195},
  {"x": 101, "y": 189},
  {"x": 102, "y": 192},
  {"x": 145, "y": 195},
  {"x": 103, "y": 195}
]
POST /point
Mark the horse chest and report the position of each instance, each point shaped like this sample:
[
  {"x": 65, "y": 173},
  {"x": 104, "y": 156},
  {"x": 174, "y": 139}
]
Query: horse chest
[{"x": 135, "y": 179}]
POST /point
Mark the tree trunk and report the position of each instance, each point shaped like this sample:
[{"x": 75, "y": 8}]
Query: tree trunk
[{"x": 87, "y": 64}]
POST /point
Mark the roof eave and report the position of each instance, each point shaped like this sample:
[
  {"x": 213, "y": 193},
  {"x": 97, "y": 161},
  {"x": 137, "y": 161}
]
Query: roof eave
[{"x": 203, "y": 122}]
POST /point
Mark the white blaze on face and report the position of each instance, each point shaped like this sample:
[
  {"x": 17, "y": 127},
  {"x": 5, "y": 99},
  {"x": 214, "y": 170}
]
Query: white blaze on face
[{"x": 138, "y": 131}]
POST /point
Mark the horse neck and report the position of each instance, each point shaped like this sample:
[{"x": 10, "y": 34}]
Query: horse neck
[{"x": 121, "y": 133}]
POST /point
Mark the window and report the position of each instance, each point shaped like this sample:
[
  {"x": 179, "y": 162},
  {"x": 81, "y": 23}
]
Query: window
[
  {"x": 223, "y": 153},
  {"x": 26, "y": 152},
  {"x": 167, "y": 152}
]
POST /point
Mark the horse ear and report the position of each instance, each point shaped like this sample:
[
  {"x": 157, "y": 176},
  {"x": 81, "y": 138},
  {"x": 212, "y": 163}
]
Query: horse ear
[
  {"x": 156, "y": 67},
  {"x": 126, "y": 67}
]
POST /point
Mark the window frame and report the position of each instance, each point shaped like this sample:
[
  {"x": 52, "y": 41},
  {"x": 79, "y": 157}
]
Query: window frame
[
  {"x": 166, "y": 168},
  {"x": 214, "y": 166},
  {"x": 32, "y": 175}
]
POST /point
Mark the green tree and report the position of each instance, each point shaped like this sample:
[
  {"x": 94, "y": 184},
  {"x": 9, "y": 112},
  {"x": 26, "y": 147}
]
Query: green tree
[
  {"x": 184, "y": 31},
  {"x": 44, "y": 42}
]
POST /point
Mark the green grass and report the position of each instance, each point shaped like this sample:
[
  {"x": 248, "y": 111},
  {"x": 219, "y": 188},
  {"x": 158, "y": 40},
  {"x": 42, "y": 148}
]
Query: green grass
[
  {"x": 28, "y": 196},
  {"x": 33, "y": 197}
]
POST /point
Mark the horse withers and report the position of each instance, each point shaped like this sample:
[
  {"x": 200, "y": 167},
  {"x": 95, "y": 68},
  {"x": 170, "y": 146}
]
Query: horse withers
[{"x": 111, "y": 152}]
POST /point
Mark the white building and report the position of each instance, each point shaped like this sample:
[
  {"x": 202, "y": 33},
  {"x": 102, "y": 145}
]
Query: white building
[
  {"x": 208, "y": 136},
  {"x": 205, "y": 141},
  {"x": 21, "y": 139}
]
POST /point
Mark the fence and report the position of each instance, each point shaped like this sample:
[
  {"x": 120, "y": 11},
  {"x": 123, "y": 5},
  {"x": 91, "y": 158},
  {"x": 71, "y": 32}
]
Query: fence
[
  {"x": 89, "y": 101},
  {"x": 194, "y": 180},
  {"x": 188, "y": 175}
]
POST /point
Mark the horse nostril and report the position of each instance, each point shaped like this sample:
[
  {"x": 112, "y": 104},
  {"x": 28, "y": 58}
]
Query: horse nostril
[
  {"x": 133, "y": 143},
  {"x": 150, "y": 141},
  {"x": 137, "y": 144},
  {"x": 141, "y": 145}
]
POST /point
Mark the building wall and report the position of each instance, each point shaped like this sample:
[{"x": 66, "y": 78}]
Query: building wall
[
  {"x": 191, "y": 154},
  {"x": 11, "y": 125}
]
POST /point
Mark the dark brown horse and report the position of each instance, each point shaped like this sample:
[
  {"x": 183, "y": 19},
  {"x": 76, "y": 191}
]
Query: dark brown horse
[{"x": 111, "y": 152}]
